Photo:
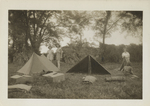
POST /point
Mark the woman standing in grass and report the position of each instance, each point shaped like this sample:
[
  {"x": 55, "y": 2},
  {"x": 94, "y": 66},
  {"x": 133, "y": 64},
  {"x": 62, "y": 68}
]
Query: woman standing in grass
[
  {"x": 50, "y": 54},
  {"x": 126, "y": 59},
  {"x": 58, "y": 55}
]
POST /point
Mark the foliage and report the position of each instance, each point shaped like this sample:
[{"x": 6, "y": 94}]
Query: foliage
[
  {"x": 135, "y": 52},
  {"x": 76, "y": 51},
  {"x": 132, "y": 23},
  {"x": 73, "y": 53},
  {"x": 29, "y": 29},
  {"x": 106, "y": 22},
  {"x": 75, "y": 22},
  {"x": 113, "y": 53},
  {"x": 19, "y": 57}
]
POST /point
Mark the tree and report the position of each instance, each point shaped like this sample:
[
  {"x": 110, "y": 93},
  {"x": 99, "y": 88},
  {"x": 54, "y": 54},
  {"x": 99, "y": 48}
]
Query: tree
[
  {"x": 75, "y": 22},
  {"x": 27, "y": 29},
  {"x": 42, "y": 23},
  {"x": 133, "y": 24},
  {"x": 101, "y": 26},
  {"x": 108, "y": 21},
  {"x": 31, "y": 26}
]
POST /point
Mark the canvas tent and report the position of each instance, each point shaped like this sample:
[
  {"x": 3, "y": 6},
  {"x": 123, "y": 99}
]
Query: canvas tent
[
  {"x": 37, "y": 64},
  {"x": 88, "y": 65}
]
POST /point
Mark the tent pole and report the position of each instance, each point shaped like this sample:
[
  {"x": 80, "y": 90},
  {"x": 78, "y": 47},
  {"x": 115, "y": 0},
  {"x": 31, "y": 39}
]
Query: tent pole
[{"x": 89, "y": 65}]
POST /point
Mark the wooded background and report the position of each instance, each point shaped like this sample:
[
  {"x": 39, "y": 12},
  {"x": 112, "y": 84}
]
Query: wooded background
[{"x": 29, "y": 29}]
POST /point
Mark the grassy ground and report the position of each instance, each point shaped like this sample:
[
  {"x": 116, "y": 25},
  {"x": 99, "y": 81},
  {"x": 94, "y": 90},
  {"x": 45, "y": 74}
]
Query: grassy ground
[{"x": 74, "y": 88}]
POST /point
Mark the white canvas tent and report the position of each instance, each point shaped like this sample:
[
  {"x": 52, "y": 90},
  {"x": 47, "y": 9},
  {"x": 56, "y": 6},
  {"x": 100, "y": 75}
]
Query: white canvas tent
[{"x": 37, "y": 64}]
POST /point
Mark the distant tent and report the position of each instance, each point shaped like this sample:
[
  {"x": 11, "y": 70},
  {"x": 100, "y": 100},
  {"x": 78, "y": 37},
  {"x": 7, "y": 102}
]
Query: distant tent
[
  {"x": 88, "y": 65},
  {"x": 37, "y": 64}
]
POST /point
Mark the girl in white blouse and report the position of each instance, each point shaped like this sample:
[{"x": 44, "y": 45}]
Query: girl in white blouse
[
  {"x": 50, "y": 54},
  {"x": 126, "y": 59}
]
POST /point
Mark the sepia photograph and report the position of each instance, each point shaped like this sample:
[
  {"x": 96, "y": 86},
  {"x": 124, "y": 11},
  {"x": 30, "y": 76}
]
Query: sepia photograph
[{"x": 75, "y": 54}]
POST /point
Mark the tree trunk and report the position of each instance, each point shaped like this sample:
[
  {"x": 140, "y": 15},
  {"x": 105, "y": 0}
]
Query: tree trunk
[
  {"x": 36, "y": 46},
  {"x": 80, "y": 38},
  {"x": 27, "y": 28},
  {"x": 34, "y": 37},
  {"x": 11, "y": 54},
  {"x": 104, "y": 34}
]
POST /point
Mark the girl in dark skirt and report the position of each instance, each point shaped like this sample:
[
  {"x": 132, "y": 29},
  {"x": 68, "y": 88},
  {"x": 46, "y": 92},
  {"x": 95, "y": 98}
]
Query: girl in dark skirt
[{"x": 58, "y": 55}]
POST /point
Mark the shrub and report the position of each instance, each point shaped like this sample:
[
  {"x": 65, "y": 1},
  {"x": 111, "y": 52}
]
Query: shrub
[{"x": 74, "y": 53}]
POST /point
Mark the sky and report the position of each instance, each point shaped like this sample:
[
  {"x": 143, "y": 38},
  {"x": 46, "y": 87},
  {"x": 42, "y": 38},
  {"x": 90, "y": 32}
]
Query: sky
[{"x": 116, "y": 38}]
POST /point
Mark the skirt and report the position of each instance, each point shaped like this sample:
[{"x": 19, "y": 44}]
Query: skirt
[{"x": 58, "y": 56}]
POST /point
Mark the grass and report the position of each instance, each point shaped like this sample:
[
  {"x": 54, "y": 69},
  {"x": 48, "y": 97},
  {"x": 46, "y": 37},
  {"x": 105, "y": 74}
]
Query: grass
[{"x": 74, "y": 88}]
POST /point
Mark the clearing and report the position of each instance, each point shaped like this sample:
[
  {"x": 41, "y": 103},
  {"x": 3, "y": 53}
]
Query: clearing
[{"x": 74, "y": 88}]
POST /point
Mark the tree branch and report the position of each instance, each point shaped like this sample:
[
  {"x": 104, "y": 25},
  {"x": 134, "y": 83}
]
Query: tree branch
[
  {"x": 43, "y": 25},
  {"x": 32, "y": 44},
  {"x": 39, "y": 19},
  {"x": 34, "y": 23},
  {"x": 114, "y": 23},
  {"x": 43, "y": 32}
]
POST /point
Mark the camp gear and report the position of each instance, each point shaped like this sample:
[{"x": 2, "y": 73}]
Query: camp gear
[
  {"x": 55, "y": 77},
  {"x": 89, "y": 79}
]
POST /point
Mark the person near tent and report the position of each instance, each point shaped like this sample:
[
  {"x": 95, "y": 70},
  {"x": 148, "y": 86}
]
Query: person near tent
[
  {"x": 126, "y": 59},
  {"x": 50, "y": 54},
  {"x": 58, "y": 55}
]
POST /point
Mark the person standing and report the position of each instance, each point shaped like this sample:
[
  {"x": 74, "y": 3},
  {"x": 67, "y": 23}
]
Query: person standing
[
  {"x": 50, "y": 54},
  {"x": 58, "y": 55},
  {"x": 126, "y": 59}
]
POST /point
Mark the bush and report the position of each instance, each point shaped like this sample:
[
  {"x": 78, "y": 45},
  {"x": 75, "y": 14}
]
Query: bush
[
  {"x": 74, "y": 53},
  {"x": 11, "y": 54},
  {"x": 19, "y": 57}
]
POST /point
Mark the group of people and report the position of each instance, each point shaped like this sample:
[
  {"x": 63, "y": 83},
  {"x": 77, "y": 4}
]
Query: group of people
[{"x": 50, "y": 54}]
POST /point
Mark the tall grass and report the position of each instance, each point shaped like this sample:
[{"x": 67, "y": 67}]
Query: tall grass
[{"x": 74, "y": 88}]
